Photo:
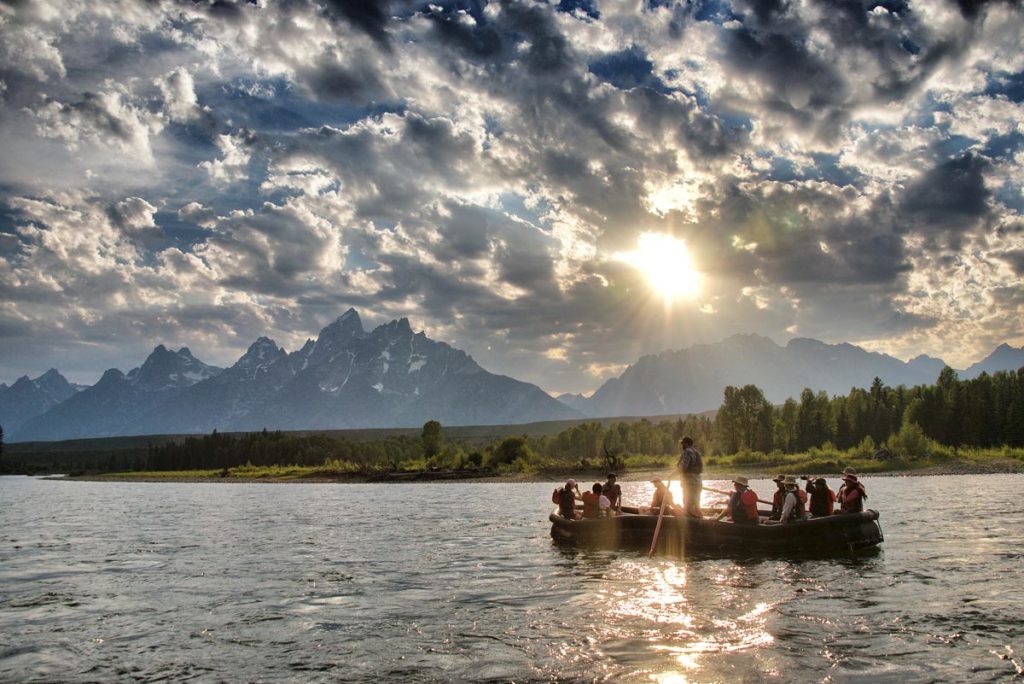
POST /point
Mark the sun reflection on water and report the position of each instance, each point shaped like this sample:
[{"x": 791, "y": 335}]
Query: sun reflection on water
[{"x": 693, "y": 618}]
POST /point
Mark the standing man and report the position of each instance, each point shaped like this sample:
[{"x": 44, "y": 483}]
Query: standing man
[{"x": 690, "y": 467}]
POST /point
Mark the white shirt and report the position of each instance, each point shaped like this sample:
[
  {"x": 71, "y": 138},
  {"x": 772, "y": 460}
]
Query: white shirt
[
  {"x": 603, "y": 504},
  {"x": 790, "y": 504}
]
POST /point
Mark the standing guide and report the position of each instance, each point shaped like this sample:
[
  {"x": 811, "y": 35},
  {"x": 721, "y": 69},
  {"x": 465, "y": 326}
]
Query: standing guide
[{"x": 690, "y": 467}]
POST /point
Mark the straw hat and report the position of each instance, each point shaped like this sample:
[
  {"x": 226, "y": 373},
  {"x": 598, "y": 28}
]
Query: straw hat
[
  {"x": 790, "y": 481},
  {"x": 849, "y": 470},
  {"x": 850, "y": 478},
  {"x": 779, "y": 478},
  {"x": 740, "y": 480}
]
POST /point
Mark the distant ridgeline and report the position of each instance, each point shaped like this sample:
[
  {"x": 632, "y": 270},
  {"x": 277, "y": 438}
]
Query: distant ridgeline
[{"x": 882, "y": 423}]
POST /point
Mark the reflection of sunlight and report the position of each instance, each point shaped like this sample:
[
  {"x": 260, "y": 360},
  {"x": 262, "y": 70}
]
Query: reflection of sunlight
[
  {"x": 670, "y": 678},
  {"x": 661, "y": 598}
]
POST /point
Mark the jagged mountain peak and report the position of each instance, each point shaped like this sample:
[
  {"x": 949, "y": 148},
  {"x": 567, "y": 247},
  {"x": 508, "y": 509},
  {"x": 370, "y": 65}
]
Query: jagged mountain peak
[
  {"x": 260, "y": 353},
  {"x": 346, "y": 327},
  {"x": 109, "y": 376},
  {"x": 52, "y": 381},
  {"x": 1003, "y": 357},
  {"x": 396, "y": 328},
  {"x": 164, "y": 369}
]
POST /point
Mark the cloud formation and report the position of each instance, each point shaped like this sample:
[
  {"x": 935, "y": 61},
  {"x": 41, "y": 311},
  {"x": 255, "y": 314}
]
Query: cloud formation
[{"x": 204, "y": 173}]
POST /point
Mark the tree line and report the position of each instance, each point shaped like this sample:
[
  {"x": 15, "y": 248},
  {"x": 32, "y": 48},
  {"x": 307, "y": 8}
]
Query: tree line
[{"x": 985, "y": 411}]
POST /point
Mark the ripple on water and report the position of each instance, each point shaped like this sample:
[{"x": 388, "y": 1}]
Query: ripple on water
[{"x": 268, "y": 583}]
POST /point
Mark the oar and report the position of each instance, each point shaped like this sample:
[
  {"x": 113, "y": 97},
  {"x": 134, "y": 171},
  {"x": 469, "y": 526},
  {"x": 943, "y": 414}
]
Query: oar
[
  {"x": 721, "y": 491},
  {"x": 661, "y": 514}
]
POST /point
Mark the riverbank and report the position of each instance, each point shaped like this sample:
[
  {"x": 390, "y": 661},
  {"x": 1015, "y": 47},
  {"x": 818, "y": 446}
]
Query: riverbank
[{"x": 301, "y": 476}]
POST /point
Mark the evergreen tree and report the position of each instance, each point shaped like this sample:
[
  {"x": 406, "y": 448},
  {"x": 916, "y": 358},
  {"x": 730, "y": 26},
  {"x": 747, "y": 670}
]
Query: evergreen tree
[{"x": 432, "y": 438}]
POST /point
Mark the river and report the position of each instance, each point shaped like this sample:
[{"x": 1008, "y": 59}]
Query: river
[{"x": 461, "y": 582}]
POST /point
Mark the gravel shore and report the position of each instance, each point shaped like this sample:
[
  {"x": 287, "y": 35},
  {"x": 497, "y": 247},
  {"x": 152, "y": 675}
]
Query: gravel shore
[{"x": 958, "y": 468}]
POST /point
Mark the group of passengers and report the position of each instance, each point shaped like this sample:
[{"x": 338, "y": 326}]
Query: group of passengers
[
  {"x": 789, "y": 503},
  {"x": 601, "y": 501}
]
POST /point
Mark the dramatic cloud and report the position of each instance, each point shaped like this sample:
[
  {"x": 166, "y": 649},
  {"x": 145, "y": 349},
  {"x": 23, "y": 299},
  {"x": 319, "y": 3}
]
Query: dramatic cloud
[{"x": 203, "y": 173}]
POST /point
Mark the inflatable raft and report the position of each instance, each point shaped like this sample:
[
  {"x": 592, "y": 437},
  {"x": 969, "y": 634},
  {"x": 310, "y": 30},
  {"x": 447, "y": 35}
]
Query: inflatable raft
[{"x": 841, "y": 533}]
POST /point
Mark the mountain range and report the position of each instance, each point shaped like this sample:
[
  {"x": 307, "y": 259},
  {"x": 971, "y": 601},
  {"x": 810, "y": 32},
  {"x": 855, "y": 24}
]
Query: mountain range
[
  {"x": 346, "y": 378},
  {"x": 392, "y": 377},
  {"x": 692, "y": 380}
]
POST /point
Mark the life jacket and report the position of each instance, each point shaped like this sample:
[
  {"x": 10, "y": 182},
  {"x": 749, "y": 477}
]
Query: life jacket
[
  {"x": 590, "y": 504},
  {"x": 852, "y": 500},
  {"x": 800, "y": 509},
  {"x": 743, "y": 512},
  {"x": 696, "y": 465}
]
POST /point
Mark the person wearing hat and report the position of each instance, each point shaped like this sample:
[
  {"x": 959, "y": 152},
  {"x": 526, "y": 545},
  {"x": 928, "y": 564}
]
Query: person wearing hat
[
  {"x": 567, "y": 496},
  {"x": 779, "y": 498},
  {"x": 846, "y": 471},
  {"x": 795, "y": 505},
  {"x": 822, "y": 500},
  {"x": 661, "y": 496},
  {"x": 851, "y": 495},
  {"x": 742, "y": 506},
  {"x": 690, "y": 469}
]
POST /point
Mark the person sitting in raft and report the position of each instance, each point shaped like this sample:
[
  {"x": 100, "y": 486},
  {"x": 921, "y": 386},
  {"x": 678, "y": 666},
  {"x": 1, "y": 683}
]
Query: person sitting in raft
[
  {"x": 742, "y": 507},
  {"x": 613, "y": 491},
  {"x": 795, "y": 506},
  {"x": 779, "y": 498},
  {"x": 823, "y": 499},
  {"x": 567, "y": 496},
  {"x": 595, "y": 504},
  {"x": 846, "y": 471},
  {"x": 662, "y": 496},
  {"x": 851, "y": 495}
]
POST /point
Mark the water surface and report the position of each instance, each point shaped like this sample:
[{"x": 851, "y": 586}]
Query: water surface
[{"x": 460, "y": 581}]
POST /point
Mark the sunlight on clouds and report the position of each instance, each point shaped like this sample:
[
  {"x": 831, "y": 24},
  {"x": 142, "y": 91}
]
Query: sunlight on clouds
[
  {"x": 738, "y": 243},
  {"x": 679, "y": 197},
  {"x": 973, "y": 297},
  {"x": 603, "y": 371},
  {"x": 231, "y": 167},
  {"x": 557, "y": 354}
]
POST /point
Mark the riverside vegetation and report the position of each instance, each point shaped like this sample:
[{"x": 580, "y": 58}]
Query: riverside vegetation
[{"x": 953, "y": 425}]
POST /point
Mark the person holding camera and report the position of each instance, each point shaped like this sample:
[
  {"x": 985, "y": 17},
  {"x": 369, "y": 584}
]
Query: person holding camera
[
  {"x": 567, "y": 497},
  {"x": 822, "y": 499}
]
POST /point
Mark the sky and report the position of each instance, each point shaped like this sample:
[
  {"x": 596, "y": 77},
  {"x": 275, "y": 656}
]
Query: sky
[{"x": 557, "y": 188}]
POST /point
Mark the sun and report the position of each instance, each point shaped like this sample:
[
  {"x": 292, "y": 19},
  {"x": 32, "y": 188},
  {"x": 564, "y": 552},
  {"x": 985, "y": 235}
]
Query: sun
[{"x": 667, "y": 265}]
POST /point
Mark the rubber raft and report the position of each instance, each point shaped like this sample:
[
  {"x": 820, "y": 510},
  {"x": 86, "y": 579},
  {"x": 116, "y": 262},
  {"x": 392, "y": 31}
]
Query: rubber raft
[{"x": 841, "y": 533}]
